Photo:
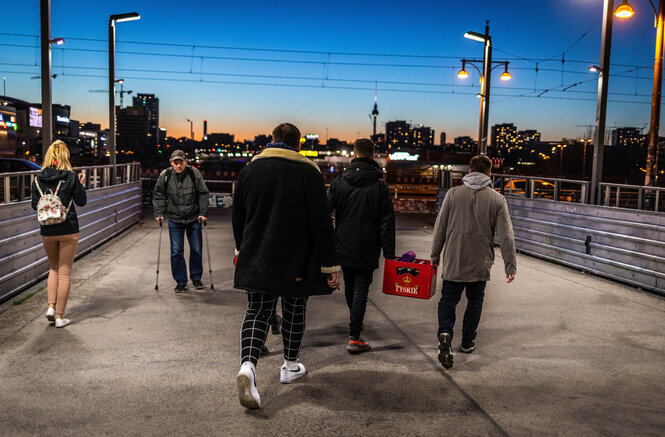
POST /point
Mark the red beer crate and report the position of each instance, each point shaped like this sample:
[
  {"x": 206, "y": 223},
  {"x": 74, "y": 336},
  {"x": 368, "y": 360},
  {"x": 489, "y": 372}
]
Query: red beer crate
[{"x": 412, "y": 279}]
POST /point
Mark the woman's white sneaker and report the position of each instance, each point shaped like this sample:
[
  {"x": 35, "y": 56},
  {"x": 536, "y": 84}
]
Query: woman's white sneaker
[
  {"x": 61, "y": 323},
  {"x": 247, "y": 392},
  {"x": 287, "y": 375},
  {"x": 50, "y": 314}
]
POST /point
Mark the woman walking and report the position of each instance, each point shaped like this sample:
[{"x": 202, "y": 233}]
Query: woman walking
[{"x": 60, "y": 240}]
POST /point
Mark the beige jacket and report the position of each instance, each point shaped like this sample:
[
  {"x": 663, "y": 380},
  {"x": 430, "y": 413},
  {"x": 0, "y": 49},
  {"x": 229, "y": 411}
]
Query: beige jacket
[{"x": 470, "y": 217}]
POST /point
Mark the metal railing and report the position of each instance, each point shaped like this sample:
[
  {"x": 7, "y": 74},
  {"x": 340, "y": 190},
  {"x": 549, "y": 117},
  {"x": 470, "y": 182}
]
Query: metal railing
[
  {"x": 631, "y": 196},
  {"x": 575, "y": 191},
  {"x": 536, "y": 187},
  {"x": 15, "y": 187}
]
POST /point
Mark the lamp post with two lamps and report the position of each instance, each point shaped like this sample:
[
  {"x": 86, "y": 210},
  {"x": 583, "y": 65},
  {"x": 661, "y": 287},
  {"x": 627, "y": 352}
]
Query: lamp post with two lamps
[
  {"x": 484, "y": 81},
  {"x": 130, "y": 16}
]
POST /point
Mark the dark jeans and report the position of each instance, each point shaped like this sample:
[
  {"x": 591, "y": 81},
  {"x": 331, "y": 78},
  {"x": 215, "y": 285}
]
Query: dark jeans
[
  {"x": 451, "y": 293},
  {"x": 194, "y": 237},
  {"x": 356, "y": 289}
]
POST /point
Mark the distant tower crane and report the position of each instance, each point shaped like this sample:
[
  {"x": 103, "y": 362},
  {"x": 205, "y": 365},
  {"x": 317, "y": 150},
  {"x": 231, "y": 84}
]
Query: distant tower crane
[{"x": 122, "y": 91}]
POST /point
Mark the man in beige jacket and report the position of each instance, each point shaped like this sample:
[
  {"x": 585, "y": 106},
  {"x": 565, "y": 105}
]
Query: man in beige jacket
[{"x": 470, "y": 216}]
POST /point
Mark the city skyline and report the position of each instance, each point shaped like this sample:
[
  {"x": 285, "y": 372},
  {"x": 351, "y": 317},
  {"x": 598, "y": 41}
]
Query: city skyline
[{"x": 215, "y": 54}]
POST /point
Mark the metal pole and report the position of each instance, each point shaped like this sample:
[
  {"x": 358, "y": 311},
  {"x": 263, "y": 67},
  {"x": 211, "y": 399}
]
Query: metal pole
[
  {"x": 601, "y": 110},
  {"x": 485, "y": 98},
  {"x": 481, "y": 113},
  {"x": 652, "y": 163},
  {"x": 111, "y": 139},
  {"x": 47, "y": 111}
]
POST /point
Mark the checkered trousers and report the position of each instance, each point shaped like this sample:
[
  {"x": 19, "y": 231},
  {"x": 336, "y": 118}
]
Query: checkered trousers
[{"x": 260, "y": 307}]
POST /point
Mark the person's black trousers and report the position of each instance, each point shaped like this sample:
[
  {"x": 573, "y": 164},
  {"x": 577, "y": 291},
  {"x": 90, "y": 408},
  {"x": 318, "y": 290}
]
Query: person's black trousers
[
  {"x": 356, "y": 289},
  {"x": 451, "y": 292}
]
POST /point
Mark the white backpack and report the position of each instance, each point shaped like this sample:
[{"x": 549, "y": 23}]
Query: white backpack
[{"x": 50, "y": 210}]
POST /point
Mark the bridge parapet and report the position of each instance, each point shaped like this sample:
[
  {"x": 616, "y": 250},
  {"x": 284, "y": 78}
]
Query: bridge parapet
[{"x": 616, "y": 243}]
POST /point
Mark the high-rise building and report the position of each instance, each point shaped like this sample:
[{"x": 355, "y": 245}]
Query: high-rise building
[
  {"x": 628, "y": 137},
  {"x": 503, "y": 136},
  {"x": 529, "y": 136},
  {"x": 134, "y": 131},
  {"x": 221, "y": 140},
  {"x": 443, "y": 140},
  {"x": 379, "y": 141},
  {"x": 261, "y": 141},
  {"x": 465, "y": 144},
  {"x": 422, "y": 137},
  {"x": 398, "y": 135},
  {"x": 150, "y": 102}
]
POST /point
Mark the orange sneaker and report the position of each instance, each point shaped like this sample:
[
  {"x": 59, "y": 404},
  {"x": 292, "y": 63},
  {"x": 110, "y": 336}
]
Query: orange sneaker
[{"x": 357, "y": 345}]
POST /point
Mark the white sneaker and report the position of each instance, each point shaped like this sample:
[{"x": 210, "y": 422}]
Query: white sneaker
[
  {"x": 61, "y": 323},
  {"x": 247, "y": 392},
  {"x": 50, "y": 314},
  {"x": 287, "y": 376}
]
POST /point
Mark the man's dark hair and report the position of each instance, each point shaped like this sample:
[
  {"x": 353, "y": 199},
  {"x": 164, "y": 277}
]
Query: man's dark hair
[
  {"x": 363, "y": 148},
  {"x": 286, "y": 133},
  {"x": 480, "y": 164}
]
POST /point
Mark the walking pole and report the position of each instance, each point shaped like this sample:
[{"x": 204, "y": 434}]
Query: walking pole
[
  {"x": 205, "y": 225},
  {"x": 159, "y": 248}
]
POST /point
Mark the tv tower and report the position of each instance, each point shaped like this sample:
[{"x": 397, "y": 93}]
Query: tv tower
[{"x": 375, "y": 113}]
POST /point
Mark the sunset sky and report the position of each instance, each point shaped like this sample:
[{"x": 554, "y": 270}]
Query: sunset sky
[{"x": 247, "y": 66}]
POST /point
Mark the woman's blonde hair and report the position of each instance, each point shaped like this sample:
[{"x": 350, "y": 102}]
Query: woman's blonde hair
[{"x": 57, "y": 153}]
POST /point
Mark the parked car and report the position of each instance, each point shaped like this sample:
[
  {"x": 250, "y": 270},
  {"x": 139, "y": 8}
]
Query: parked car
[
  {"x": 11, "y": 165},
  {"x": 517, "y": 187}
]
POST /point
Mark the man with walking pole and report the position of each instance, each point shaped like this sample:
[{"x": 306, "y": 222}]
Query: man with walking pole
[{"x": 181, "y": 196}]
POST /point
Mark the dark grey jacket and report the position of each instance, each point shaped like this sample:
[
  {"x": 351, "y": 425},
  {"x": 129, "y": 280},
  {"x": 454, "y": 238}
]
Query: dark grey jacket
[{"x": 179, "y": 200}]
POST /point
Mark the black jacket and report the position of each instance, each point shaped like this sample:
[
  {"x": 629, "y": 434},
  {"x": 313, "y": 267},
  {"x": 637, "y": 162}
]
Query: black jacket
[
  {"x": 281, "y": 225},
  {"x": 364, "y": 215},
  {"x": 70, "y": 188},
  {"x": 180, "y": 199}
]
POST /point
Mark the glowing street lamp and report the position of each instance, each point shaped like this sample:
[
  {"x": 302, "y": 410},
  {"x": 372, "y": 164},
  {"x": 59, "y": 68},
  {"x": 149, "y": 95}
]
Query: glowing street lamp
[
  {"x": 505, "y": 75},
  {"x": 624, "y": 10}
]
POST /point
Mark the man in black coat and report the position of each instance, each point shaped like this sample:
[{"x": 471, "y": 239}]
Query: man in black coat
[
  {"x": 364, "y": 223},
  {"x": 286, "y": 247}
]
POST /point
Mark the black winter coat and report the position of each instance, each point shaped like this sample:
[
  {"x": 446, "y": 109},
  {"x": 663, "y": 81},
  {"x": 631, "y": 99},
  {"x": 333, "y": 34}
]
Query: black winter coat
[
  {"x": 364, "y": 215},
  {"x": 70, "y": 188},
  {"x": 281, "y": 225}
]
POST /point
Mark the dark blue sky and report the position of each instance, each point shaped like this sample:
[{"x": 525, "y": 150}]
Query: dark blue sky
[{"x": 242, "y": 85}]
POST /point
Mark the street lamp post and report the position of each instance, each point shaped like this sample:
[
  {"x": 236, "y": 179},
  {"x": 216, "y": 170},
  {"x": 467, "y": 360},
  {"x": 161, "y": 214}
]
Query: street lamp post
[
  {"x": 483, "y": 124},
  {"x": 625, "y": 11},
  {"x": 47, "y": 113},
  {"x": 652, "y": 151},
  {"x": 111, "y": 141},
  {"x": 601, "y": 108}
]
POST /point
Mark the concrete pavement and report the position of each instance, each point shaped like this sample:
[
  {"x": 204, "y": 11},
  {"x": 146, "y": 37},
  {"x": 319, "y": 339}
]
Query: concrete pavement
[{"x": 559, "y": 353}]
